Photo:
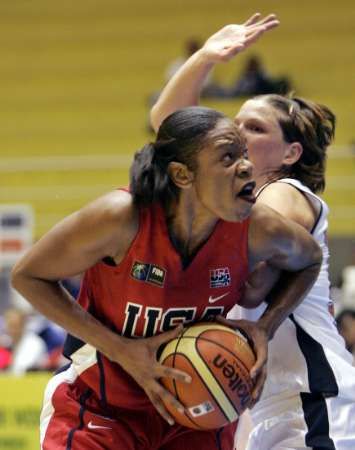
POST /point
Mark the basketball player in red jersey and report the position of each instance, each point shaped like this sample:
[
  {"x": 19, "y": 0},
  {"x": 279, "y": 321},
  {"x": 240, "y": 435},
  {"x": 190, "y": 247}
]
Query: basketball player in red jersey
[{"x": 175, "y": 249}]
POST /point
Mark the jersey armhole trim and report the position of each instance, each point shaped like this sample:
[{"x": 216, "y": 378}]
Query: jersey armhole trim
[{"x": 316, "y": 222}]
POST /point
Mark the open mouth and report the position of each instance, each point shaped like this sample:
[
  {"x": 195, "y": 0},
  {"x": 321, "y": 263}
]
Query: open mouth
[{"x": 246, "y": 193}]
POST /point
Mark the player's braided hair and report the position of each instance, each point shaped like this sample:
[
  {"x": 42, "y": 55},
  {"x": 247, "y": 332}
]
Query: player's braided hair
[
  {"x": 180, "y": 138},
  {"x": 313, "y": 126}
]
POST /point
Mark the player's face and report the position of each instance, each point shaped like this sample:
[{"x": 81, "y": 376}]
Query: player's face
[
  {"x": 258, "y": 122},
  {"x": 223, "y": 179}
]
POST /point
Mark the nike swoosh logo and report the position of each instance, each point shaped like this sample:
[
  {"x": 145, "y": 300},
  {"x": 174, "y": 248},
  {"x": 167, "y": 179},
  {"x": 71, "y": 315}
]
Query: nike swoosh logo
[
  {"x": 215, "y": 299},
  {"x": 91, "y": 426}
]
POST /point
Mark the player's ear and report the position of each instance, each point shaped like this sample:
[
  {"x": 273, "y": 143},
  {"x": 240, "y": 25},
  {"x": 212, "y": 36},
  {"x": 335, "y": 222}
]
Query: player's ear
[
  {"x": 180, "y": 174},
  {"x": 293, "y": 153}
]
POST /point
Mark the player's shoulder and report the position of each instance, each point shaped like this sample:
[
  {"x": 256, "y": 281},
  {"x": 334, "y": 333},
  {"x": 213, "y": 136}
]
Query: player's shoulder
[
  {"x": 110, "y": 214},
  {"x": 113, "y": 207},
  {"x": 115, "y": 218},
  {"x": 263, "y": 213},
  {"x": 292, "y": 202},
  {"x": 265, "y": 222},
  {"x": 279, "y": 192}
]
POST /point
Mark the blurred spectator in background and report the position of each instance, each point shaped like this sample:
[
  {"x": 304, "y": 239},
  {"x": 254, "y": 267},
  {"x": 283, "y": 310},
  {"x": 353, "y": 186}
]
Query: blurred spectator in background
[
  {"x": 191, "y": 46},
  {"x": 336, "y": 295},
  {"x": 5, "y": 288},
  {"x": 346, "y": 326},
  {"x": 348, "y": 287},
  {"x": 29, "y": 341},
  {"x": 209, "y": 89},
  {"x": 5, "y": 353},
  {"x": 5, "y": 358},
  {"x": 27, "y": 348},
  {"x": 53, "y": 336},
  {"x": 254, "y": 80}
]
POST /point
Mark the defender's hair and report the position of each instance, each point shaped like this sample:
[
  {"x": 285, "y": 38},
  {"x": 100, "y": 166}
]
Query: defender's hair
[
  {"x": 180, "y": 137},
  {"x": 313, "y": 126}
]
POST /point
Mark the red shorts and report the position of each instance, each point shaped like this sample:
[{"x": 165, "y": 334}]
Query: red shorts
[{"x": 73, "y": 419}]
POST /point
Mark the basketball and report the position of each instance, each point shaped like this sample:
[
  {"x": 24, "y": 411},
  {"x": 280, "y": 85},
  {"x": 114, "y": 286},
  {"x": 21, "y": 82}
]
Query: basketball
[{"x": 219, "y": 360}]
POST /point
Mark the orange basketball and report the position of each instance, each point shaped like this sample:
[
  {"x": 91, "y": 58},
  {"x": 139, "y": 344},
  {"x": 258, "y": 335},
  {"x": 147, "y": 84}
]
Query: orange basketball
[{"x": 219, "y": 360}]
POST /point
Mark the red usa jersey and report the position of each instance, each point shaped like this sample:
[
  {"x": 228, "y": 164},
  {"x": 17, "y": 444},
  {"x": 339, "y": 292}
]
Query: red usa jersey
[{"x": 151, "y": 291}]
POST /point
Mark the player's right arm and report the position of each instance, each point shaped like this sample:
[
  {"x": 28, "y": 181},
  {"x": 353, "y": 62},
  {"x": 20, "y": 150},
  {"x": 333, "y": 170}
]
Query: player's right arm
[
  {"x": 185, "y": 86},
  {"x": 72, "y": 246},
  {"x": 106, "y": 227}
]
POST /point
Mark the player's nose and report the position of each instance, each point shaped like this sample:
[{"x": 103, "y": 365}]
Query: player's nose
[{"x": 244, "y": 168}]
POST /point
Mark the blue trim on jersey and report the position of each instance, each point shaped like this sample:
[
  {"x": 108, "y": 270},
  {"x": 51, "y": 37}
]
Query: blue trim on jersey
[
  {"x": 316, "y": 417},
  {"x": 305, "y": 194},
  {"x": 218, "y": 438},
  {"x": 62, "y": 369},
  {"x": 318, "y": 218},
  {"x": 100, "y": 365},
  {"x": 82, "y": 401},
  {"x": 71, "y": 345},
  {"x": 321, "y": 377}
]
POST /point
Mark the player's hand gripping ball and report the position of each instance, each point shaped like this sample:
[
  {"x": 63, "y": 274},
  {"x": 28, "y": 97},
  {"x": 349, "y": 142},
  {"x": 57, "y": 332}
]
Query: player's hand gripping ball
[{"x": 219, "y": 360}]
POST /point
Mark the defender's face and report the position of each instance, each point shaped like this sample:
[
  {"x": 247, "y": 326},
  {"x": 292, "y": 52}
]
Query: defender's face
[
  {"x": 223, "y": 180},
  {"x": 258, "y": 121}
]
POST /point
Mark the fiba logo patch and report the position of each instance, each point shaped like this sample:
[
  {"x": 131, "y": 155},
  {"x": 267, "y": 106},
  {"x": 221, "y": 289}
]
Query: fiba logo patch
[
  {"x": 220, "y": 277},
  {"x": 148, "y": 272}
]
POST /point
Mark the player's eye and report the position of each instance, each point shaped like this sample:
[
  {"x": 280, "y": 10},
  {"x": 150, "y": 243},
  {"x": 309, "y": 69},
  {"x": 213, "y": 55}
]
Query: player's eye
[
  {"x": 255, "y": 128},
  {"x": 228, "y": 158}
]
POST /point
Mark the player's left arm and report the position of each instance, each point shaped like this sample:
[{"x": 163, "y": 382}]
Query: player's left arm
[
  {"x": 287, "y": 247},
  {"x": 294, "y": 205},
  {"x": 259, "y": 285}
]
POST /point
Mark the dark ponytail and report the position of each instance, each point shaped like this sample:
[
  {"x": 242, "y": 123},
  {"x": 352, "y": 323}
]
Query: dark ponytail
[
  {"x": 150, "y": 181},
  {"x": 180, "y": 137},
  {"x": 313, "y": 126}
]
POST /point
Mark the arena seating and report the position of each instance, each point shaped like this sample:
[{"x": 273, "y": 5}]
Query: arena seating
[{"x": 75, "y": 78}]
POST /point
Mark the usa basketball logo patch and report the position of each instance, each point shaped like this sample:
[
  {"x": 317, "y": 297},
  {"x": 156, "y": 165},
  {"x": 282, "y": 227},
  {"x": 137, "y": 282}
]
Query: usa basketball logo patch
[
  {"x": 220, "y": 277},
  {"x": 148, "y": 272}
]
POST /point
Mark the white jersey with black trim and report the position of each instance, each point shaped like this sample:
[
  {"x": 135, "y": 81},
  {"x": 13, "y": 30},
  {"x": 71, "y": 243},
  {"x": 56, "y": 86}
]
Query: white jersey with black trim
[{"x": 307, "y": 354}]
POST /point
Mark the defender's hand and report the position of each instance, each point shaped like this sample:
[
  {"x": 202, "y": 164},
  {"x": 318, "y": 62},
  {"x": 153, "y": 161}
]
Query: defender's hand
[
  {"x": 232, "y": 39},
  {"x": 259, "y": 341}
]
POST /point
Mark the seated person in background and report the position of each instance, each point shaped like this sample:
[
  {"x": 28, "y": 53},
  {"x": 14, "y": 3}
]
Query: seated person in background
[
  {"x": 348, "y": 287},
  {"x": 36, "y": 324},
  {"x": 190, "y": 47},
  {"x": 209, "y": 89},
  {"x": 5, "y": 358},
  {"x": 254, "y": 80},
  {"x": 53, "y": 337},
  {"x": 346, "y": 326},
  {"x": 5, "y": 343},
  {"x": 28, "y": 349}
]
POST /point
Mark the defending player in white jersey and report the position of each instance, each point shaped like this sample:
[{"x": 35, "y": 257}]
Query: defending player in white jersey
[{"x": 309, "y": 396}]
